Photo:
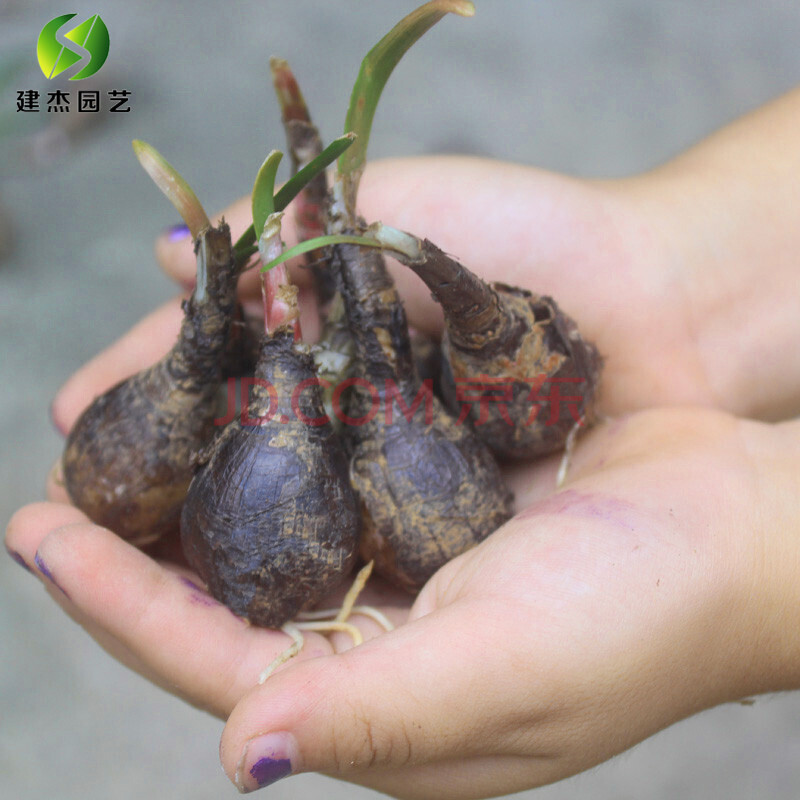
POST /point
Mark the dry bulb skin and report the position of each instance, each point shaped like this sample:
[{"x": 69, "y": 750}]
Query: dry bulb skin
[
  {"x": 244, "y": 345},
  {"x": 127, "y": 461},
  {"x": 429, "y": 488},
  {"x": 513, "y": 359},
  {"x": 257, "y": 523}
]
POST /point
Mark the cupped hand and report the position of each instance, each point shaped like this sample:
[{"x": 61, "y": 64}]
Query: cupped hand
[
  {"x": 659, "y": 581},
  {"x": 616, "y": 255},
  {"x": 678, "y": 317},
  {"x": 653, "y": 586},
  {"x": 595, "y": 617}
]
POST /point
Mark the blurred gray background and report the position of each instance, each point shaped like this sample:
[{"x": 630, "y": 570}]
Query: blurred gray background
[{"x": 588, "y": 87}]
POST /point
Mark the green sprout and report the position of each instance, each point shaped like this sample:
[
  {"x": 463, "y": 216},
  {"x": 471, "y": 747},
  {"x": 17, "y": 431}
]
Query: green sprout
[
  {"x": 316, "y": 242},
  {"x": 375, "y": 70},
  {"x": 169, "y": 180},
  {"x": 262, "y": 199},
  {"x": 245, "y": 245}
]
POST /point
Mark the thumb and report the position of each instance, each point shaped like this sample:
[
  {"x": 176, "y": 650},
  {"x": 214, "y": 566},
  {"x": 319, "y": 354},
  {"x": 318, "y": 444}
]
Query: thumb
[{"x": 405, "y": 698}]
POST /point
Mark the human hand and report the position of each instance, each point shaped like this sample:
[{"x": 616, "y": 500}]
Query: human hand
[
  {"x": 660, "y": 582},
  {"x": 656, "y": 584},
  {"x": 149, "y": 340},
  {"x": 681, "y": 316},
  {"x": 151, "y": 621}
]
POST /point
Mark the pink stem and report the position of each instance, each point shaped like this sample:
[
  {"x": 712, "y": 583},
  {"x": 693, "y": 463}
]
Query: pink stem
[
  {"x": 290, "y": 97},
  {"x": 280, "y": 301}
]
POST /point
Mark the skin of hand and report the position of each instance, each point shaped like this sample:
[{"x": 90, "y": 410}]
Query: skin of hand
[
  {"x": 658, "y": 582},
  {"x": 686, "y": 303},
  {"x": 599, "y": 617}
]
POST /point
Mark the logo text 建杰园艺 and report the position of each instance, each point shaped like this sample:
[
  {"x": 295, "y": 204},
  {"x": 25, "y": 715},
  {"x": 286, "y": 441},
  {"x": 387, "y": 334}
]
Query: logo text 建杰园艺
[{"x": 62, "y": 46}]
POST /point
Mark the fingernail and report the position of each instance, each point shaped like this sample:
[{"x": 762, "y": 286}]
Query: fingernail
[
  {"x": 45, "y": 570},
  {"x": 265, "y": 759},
  {"x": 176, "y": 233},
  {"x": 18, "y": 558}
]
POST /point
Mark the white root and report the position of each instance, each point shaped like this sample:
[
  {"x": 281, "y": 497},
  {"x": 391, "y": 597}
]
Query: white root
[
  {"x": 373, "y": 613},
  {"x": 290, "y": 652},
  {"x": 355, "y": 590},
  {"x": 329, "y": 620},
  {"x": 566, "y": 459},
  {"x": 331, "y": 627}
]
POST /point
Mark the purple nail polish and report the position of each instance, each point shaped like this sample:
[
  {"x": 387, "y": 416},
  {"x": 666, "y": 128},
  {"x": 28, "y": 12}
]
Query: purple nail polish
[
  {"x": 18, "y": 558},
  {"x": 268, "y": 770},
  {"x": 190, "y": 583},
  {"x": 266, "y": 759},
  {"x": 198, "y": 596},
  {"x": 44, "y": 569},
  {"x": 176, "y": 233}
]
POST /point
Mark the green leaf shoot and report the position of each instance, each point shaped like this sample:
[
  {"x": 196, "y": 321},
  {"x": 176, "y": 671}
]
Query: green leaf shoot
[
  {"x": 376, "y": 68},
  {"x": 169, "y": 180},
  {"x": 263, "y": 197},
  {"x": 317, "y": 242},
  {"x": 293, "y": 187},
  {"x": 298, "y": 182}
]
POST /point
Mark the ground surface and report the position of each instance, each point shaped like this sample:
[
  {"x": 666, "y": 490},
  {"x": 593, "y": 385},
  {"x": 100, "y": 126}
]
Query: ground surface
[{"x": 591, "y": 88}]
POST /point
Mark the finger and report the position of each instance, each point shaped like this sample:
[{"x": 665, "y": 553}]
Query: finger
[
  {"x": 144, "y": 344},
  {"x": 28, "y": 526},
  {"x": 195, "y": 645},
  {"x": 503, "y": 221},
  {"x": 25, "y": 532},
  {"x": 175, "y": 250},
  {"x": 396, "y": 701}
]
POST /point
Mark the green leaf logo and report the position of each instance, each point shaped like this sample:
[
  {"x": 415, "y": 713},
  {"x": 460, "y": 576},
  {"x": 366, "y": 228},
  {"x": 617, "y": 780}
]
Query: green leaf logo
[{"x": 90, "y": 44}]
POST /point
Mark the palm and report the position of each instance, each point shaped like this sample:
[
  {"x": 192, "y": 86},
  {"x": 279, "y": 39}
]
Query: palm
[
  {"x": 597, "y": 616},
  {"x": 546, "y": 574},
  {"x": 580, "y": 249},
  {"x": 150, "y": 617},
  {"x": 590, "y": 246}
]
